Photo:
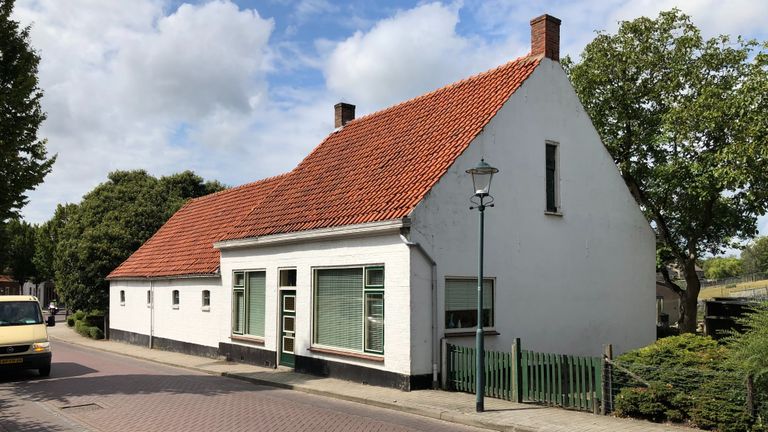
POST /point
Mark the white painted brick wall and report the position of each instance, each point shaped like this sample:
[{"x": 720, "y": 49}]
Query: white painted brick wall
[{"x": 387, "y": 250}]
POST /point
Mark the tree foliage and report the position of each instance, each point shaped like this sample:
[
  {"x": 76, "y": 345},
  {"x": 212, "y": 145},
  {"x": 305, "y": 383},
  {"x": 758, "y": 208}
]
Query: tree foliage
[
  {"x": 23, "y": 161},
  {"x": 686, "y": 121},
  {"x": 20, "y": 249},
  {"x": 755, "y": 256},
  {"x": 722, "y": 267},
  {"x": 92, "y": 238}
]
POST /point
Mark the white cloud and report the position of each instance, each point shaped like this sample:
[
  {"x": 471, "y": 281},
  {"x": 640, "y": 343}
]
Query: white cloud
[
  {"x": 118, "y": 87},
  {"x": 404, "y": 56}
]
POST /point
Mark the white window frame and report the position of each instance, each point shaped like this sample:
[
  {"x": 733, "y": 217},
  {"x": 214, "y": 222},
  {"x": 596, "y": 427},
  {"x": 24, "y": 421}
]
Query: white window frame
[
  {"x": 122, "y": 297},
  {"x": 493, "y": 310},
  {"x": 175, "y": 299}
]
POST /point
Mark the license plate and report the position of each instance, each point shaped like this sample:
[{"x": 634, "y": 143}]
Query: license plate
[{"x": 11, "y": 360}]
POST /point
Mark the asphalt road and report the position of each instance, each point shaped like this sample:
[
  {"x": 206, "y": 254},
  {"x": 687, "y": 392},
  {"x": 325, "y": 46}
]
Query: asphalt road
[{"x": 93, "y": 390}]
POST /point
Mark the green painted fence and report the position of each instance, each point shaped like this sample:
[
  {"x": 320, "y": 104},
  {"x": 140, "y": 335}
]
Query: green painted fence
[{"x": 551, "y": 379}]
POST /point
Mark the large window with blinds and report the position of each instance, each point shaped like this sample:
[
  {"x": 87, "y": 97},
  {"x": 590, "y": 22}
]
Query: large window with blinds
[
  {"x": 248, "y": 303},
  {"x": 461, "y": 303},
  {"x": 349, "y": 308}
]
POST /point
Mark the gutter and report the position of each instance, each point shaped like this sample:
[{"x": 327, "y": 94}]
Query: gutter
[
  {"x": 435, "y": 343},
  {"x": 169, "y": 277},
  {"x": 346, "y": 231}
]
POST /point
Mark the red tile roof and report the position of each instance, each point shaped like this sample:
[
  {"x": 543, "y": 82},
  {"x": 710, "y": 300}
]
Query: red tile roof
[
  {"x": 375, "y": 168},
  {"x": 379, "y": 167},
  {"x": 184, "y": 245},
  {"x": 7, "y": 278}
]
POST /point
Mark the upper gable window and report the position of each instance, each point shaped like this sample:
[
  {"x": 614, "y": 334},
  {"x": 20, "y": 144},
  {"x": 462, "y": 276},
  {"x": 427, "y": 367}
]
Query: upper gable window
[{"x": 552, "y": 178}]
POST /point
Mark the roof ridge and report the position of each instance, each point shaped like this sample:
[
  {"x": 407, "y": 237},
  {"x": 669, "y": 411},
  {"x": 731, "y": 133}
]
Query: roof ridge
[
  {"x": 235, "y": 188},
  {"x": 528, "y": 57}
]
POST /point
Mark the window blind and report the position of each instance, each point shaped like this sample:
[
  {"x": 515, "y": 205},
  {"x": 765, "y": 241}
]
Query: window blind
[
  {"x": 374, "y": 322},
  {"x": 256, "y": 302},
  {"x": 339, "y": 308},
  {"x": 461, "y": 294}
]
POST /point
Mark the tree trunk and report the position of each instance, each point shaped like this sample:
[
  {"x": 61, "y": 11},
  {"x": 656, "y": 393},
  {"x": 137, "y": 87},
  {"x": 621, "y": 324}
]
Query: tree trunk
[{"x": 689, "y": 299}]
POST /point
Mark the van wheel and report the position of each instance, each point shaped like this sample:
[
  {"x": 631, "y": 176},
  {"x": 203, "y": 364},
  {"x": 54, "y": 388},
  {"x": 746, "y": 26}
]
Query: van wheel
[{"x": 45, "y": 371}]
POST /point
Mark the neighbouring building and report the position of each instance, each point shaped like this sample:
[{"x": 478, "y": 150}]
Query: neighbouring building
[
  {"x": 9, "y": 286},
  {"x": 44, "y": 292},
  {"x": 357, "y": 262}
]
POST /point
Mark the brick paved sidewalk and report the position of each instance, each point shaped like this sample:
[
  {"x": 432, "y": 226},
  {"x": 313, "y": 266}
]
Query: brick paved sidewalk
[{"x": 449, "y": 406}]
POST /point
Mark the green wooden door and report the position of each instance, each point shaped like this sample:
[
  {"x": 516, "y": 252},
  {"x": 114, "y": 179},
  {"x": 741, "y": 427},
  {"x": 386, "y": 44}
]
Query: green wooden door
[{"x": 287, "y": 327}]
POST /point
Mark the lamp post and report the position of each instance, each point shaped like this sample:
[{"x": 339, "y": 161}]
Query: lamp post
[{"x": 482, "y": 175}]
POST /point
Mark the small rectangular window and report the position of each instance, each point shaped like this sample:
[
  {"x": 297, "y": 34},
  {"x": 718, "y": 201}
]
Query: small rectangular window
[
  {"x": 149, "y": 298},
  {"x": 206, "y": 300},
  {"x": 122, "y": 297},
  {"x": 461, "y": 303},
  {"x": 374, "y": 277},
  {"x": 175, "y": 299},
  {"x": 288, "y": 278},
  {"x": 239, "y": 279},
  {"x": 552, "y": 178}
]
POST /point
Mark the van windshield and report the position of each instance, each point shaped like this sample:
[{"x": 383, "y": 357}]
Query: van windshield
[{"x": 20, "y": 313}]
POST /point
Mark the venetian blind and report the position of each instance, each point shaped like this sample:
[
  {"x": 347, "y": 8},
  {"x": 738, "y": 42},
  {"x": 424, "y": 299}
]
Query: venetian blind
[
  {"x": 339, "y": 308},
  {"x": 461, "y": 294},
  {"x": 256, "y": 301}
]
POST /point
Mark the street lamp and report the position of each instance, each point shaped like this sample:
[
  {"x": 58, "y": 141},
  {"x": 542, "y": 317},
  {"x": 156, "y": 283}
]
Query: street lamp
[{"x": 482, "y": 175}]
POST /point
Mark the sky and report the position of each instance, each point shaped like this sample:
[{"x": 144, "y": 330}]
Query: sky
[{"x": 239, "y": 90}]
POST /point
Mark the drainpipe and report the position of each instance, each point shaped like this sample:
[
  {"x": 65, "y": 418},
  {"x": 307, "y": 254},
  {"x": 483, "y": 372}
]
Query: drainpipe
[
  {"x": 435, "y": 341},
  {"x": 151, "y": 313}
]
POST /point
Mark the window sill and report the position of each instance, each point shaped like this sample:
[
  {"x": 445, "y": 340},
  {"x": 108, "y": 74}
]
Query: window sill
[
  {"x": 249, "y": 339},
  {"x": 175, "y": 307},
  {"x": 486, "y": 332},
  {"x": 361, "y": 356},
  {"x": 205, "y": 308},
  {"x": 555, "y": 213},
  {"x": 122, "y": 303}
]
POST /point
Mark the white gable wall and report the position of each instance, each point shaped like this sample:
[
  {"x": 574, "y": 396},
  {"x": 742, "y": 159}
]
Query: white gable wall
[{"x": 564, "y": 284}]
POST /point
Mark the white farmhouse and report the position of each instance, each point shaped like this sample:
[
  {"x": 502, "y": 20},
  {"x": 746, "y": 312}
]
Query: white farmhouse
[{"x": 361, "y": 259}]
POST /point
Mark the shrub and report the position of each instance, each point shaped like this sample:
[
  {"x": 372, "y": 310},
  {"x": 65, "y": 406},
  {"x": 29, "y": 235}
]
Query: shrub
[
  {"x": 689, "y": 379},
  {"x": 96, "y": 333},
  {"x": 79, "y": 315},
  {"x": 71, "y": 321},
  {"x": 719, "y": 405},
  {"x": 650, "y": 403},
  {"x": 81, "y": 327}
]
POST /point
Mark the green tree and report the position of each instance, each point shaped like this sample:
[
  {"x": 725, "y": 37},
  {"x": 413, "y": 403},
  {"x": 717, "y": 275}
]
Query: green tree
[
  {"x": 46, "y": 238},
  {"x": 20, "y": 248},
  {"x": 112, "y": 221},
  {"x": 23, "y": 162},
  {"x": 755, "y": 256},
  {"x": 722, "y": 267},
  {"x": 686, "y": 121}
]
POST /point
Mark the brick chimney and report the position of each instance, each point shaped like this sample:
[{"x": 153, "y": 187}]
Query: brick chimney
[
  {"x": 344, "y": 114},
  {"x": 545, "y": 37}
]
